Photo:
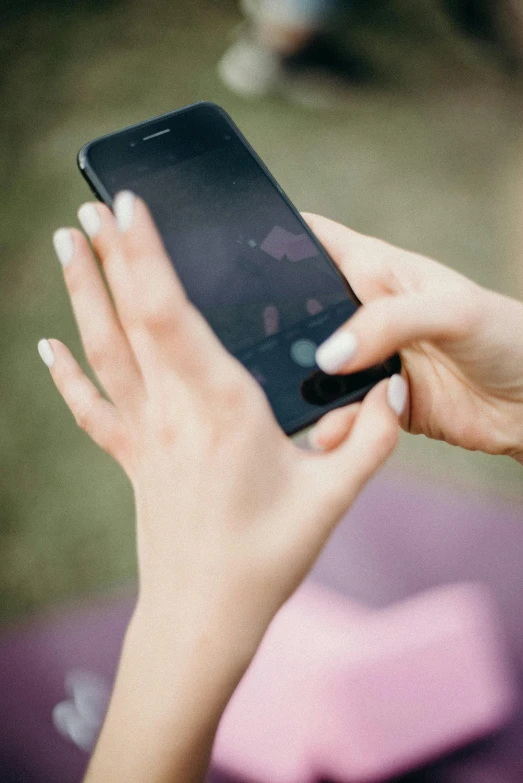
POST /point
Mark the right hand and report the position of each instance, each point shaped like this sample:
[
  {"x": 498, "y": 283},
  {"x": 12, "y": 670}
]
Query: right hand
[{"x": 461, "y": 345}]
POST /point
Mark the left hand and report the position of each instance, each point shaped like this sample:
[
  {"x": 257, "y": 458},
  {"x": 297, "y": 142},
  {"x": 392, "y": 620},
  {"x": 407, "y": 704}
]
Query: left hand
[{"x": 230, "y": 513}]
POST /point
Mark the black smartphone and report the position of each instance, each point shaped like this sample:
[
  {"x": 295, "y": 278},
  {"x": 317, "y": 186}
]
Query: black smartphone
[{"x": 247, "y": 259}]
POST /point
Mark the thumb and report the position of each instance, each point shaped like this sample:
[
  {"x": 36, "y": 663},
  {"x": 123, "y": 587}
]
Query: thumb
[
  {"x": 371, "y": 440},
  {"x": 384, "y": 326}
]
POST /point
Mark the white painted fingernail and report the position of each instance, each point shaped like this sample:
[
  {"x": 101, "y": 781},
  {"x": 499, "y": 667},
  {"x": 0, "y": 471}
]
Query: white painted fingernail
[
  {"x": 123, "y": 209},
  {"x": 89, "y": 219},
  {"x": 397, "y": 394},
  {"x": 336, "y": 351},
  {"x": 46, "y": 352},
  {"x": 64, "y": 246}
]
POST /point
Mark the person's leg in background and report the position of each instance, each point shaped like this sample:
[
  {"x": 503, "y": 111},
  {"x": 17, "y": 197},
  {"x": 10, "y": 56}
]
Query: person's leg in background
[
  {"x": 283, "y": 37},
  {"x": 286, "y": 26},
  {"x": 498, "y": 25}
]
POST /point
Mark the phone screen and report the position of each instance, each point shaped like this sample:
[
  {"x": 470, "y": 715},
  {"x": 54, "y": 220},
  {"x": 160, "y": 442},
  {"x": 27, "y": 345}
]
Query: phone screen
[{"x": 242, "y": 252}]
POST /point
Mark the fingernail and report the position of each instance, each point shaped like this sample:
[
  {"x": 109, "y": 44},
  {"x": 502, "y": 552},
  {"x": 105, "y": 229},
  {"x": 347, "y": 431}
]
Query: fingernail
[
  {"x": 64, "y": 246},
  {"x": 336, "y": 351},
  {"x": 89, "y": 219},
  {"x": 123, "y": 209},
  {"x": 397, "y": 394},
  {"x": 46, "y": 352}
]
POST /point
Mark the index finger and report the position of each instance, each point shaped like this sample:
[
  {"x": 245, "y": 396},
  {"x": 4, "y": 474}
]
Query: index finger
[
  {"x": 366, "y": 262},
  {"x": 163, "y": 325}
]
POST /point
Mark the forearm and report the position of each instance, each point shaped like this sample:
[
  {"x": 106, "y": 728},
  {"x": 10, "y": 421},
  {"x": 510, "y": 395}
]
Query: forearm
[{"x": 169, "y": 695}]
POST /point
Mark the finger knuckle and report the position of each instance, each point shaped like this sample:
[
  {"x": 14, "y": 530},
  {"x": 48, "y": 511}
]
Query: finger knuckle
[
  {"x": 473, "y": 312},
  {"x": 164, "y": 427},
  {"x": 390, "y": 439},
  {"x": 96, "y": 351},
  {"x": 385, "y": 439},
  {"x": 161, "y": 310},
  {"x": 233, "y": 407},
  {"x": 232, "y": 393},
  {"x": 465, "y": 310},
  {"x": 158, "y": 315},
  {"x": 116, "y": 443},
  {"x": 83, "y": 414},
  {"x": 379, "y": 445},
  {"x": 167, "y": 435}
]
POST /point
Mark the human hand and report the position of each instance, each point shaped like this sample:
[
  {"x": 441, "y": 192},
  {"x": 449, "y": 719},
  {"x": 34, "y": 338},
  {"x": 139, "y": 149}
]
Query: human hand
[
  {"x": 230, "y": 513},
  {"x": 461, "y": 345}
]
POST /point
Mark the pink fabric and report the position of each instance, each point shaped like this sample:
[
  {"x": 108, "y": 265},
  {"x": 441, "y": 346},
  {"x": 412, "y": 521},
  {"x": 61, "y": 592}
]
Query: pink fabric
[{"x": 342, "y": 692}]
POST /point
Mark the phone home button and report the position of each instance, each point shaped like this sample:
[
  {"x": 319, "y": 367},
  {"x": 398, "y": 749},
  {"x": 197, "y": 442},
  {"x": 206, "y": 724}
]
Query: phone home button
[
  {"x": 321, "y": 389},
  {"x": 303, "y": 353}
]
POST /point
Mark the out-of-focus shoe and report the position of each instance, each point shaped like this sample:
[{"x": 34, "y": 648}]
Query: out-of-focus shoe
[
  {"x": 251, "y": 69},
  {"x": 318, "y": 75}
]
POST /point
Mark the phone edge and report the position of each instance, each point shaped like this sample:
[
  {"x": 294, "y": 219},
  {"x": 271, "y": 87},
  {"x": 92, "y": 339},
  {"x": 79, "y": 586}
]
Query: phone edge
[{"x": 391, "y": 365}]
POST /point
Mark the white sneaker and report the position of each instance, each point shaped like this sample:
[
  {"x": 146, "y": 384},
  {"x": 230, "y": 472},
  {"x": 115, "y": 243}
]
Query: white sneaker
[{"x": 250, "y": 69}]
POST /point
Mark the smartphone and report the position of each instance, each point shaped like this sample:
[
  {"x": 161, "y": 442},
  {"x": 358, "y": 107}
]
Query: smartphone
[{"x": 244, "y": 254}]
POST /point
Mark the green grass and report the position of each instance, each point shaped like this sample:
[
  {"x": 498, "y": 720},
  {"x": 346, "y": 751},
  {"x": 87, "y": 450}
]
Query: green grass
[{"x": 425, "y": 160}]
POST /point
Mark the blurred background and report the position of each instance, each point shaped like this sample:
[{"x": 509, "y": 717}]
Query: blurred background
[{"x": 418, "y": 141}]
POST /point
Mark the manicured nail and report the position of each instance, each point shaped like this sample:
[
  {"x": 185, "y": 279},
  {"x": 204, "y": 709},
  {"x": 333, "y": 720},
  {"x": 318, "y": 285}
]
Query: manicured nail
[
  {"x": 336, "y": 351},
  {"x": 89, "y": 219},
  {"x": 123, "y": 209},
  {"x": 64, "y": 246},
  {"x": 46, "y": 352},
  {"x": 397, "y": 394}
]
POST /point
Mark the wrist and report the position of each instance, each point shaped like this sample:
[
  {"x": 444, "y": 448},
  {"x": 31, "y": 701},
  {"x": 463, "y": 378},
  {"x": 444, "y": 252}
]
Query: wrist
[
  {"x": 174, "y": 680},
  {"x": 162, "y": 638},
  {"x": 210, "y": 631}
]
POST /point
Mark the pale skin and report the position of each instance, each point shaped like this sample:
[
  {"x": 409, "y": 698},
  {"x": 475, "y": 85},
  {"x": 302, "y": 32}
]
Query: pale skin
[
  {"x": 230, "y": 514},
  {"x": 461, "y": 345}
]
